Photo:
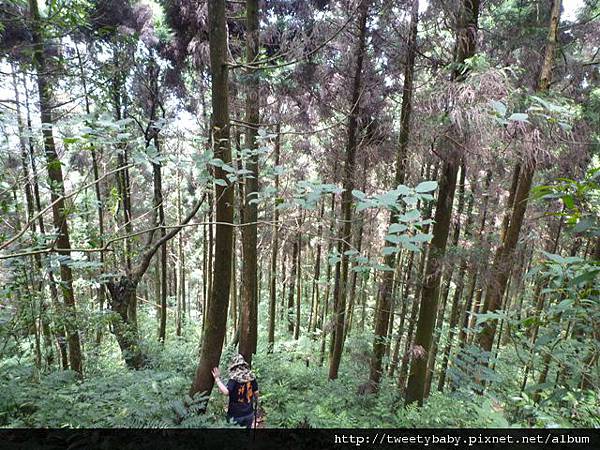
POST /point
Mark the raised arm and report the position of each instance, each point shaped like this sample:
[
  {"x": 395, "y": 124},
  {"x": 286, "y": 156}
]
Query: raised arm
[{"x": 217, "y": 376}]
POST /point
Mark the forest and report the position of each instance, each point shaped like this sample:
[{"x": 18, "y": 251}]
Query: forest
[{"x": 389, "y": 208}]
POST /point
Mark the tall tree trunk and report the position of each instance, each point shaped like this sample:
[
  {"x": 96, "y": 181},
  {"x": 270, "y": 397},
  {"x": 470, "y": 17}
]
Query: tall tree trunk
[
  {"x": 283, "y": 308},
  {"x": 458, "y": 292},
  {"x": 348, "y": 184},
  {"x": 467, "y": 313},
  {"x": 216, "y": 317},
  {"x": 464, "y": 48},
  {"x": 54, "y": 167},
  {"x": 450, "y": 271},
  {"x": 180, "y": 263},
  {"x": 248, "y": 328},
  {"x": 503, "y": 260},
  {"x": 59, "y": 330},
  {"x": 159, "y": 206},
  {"x": 203, "y": 303},
  {"x": 233, "y": 297},
  {"x": 291, "y": 283},
  {"x": 123, "y": 184},
  {"x": 298, "y": 288},
  {"x": 419, "y": 350},
  {"x": 37, "y": 283},
  {"x": 315, "y": 293},
  {"x": 358, "y": 247},
  {"x": 403, "y": 307},
  {"x": 412, "y": 322},
  {"x": 274, "y": 245},
  {"x": 209, "y": 274},
  {"x": 417, "y": 286},
  {"x": 181, "y": 254},
  {"x": 326, "y": 298},
  {"x": 539, "y": 298}
]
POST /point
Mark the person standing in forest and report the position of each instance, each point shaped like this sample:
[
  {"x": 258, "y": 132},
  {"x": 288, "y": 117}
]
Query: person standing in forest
[{"x": 242, "y": 390}]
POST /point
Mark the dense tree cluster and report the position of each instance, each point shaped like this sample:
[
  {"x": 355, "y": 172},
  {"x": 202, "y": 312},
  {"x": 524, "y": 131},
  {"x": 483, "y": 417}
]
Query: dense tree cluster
[{"x": 381, "y": 193}]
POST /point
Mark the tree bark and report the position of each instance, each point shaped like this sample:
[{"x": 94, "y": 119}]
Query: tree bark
[
  {"x": 59, "y": 331},
  {"x": 450, "y": 272},
  {"x": 503, "y": 260},
  {"x": 458, "y": 292},
  {"x": 216, "y": 317},
  {"x": 292, "y": 290},
  {"x": 315, "y": 293},
  {"x": 298, "y": 288},
  {"x": 59, "y": 208},
  {"x": 415, "y": 390},
  {"x": 326, "y": 297},
  {"x": 467, "y": 312},
  {"x": 346, "y": 228},
  {"x": 274, "y": 245},
  {"x": 248, "y": 324},
  {"x": 464, "y": 48}
]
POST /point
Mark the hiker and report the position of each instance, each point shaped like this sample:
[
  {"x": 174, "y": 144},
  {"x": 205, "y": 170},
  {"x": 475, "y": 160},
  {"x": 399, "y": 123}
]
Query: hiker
[{"x": 242, "y": 390}]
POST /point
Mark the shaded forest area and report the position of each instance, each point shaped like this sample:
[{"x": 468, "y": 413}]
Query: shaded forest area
[{"x": 390, "y": 208}]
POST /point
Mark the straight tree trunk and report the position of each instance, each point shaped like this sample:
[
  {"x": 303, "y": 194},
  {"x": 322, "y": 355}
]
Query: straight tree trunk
[
  {"x": 274, "y": 248},
  {"x": 38, "y": 284},
  {"x": 298, "y": 288},
  {"x": 160, "y": 209},
  {"x": 55, "y": 175},
  {"x": 248, "y": 327},
  {"x": 326, "y": 298},
  {"x": 415, "y": 391},
  {"x": 503, "y": 259},
  {"x": 412, "y": 323},
  {"x": 59, "y": 330},
  {"x": 292, "y": 291},
  {"x": 314, "y": 306},
  {"x": 419, "y": 350},
  {"x": 400, "y": 331},
  {"x": 211, "y": 246},
  {"x": 216, "y": 317},
  {"x": 450, "y": 271},
  {"x": 417, "y": 286},
  {"x": 123, "y": 184},
  {"x": 467, "y": 313},
  {"x": 283, "y": 308},
  {"x": 202, "y": 303},
  {"x": 233, "y": 297},
  {"x": 358, "y": 247},
  {"x": 458, "y": 292},
  {"x": 348, "y": 184},
  {"x": 180, "y": 263}
]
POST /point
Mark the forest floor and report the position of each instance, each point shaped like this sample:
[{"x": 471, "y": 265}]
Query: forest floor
[{"x": 294, "y": 389}]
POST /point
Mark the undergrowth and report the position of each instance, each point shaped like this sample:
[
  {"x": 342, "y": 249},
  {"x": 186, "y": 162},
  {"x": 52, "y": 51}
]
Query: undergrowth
[{"x": 295, "y": 392}]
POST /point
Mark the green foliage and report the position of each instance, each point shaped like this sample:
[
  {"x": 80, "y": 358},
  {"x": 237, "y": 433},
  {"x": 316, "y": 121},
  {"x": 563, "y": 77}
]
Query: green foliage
[
  {"x": 295, "y": 391},
  {"x": 581, "y": 201}
]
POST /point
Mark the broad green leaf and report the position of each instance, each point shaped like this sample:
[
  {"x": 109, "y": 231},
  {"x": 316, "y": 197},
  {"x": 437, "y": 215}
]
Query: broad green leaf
[
  {"x": 426, "y": 186},
  {"x": 397, "y": 228},
  {"x": 358, "y": 194},
  {"x": 420, "y": 238},
  {"x": 410, "y": 216}
]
